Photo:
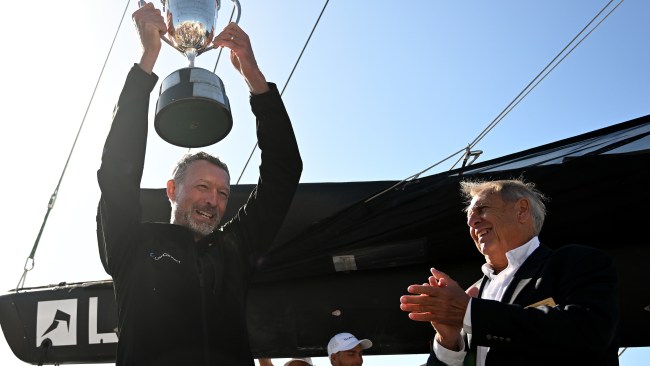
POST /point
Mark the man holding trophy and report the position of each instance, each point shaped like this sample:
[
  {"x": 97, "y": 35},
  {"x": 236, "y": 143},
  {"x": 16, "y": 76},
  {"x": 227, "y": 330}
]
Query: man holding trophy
[{"x": 181, "y": 287}]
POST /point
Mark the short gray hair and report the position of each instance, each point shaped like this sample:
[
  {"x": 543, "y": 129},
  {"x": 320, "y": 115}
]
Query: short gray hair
[
  {"x": 178, "y": 174},
  {"x": 509, "y": 190}
]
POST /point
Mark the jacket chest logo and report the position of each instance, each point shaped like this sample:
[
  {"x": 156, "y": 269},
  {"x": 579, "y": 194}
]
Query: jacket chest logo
[{"x": 163, "y": 256}]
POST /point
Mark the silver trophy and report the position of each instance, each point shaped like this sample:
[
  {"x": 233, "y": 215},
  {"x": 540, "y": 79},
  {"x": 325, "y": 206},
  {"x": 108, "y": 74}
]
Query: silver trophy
[{"x": 192, "y": 108}]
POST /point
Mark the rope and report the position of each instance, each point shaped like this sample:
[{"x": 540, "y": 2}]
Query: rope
[
  {"x": 468, "y": 152},
  {"x": 287, "y": 82},
  {"x": 29, "y": 263}
]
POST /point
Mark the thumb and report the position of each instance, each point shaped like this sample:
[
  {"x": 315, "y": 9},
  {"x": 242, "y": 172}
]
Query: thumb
[{"x": 472, "y": 291}]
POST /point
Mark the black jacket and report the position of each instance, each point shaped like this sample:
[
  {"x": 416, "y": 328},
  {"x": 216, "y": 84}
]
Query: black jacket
[
  {"x": 182, "y": 302},
  {"x": 581, "y": 330}
]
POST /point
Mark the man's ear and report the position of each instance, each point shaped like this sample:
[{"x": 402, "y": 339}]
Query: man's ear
[
  {"x": 523, "y": 210},
  {"x": 171, "y": 190}
]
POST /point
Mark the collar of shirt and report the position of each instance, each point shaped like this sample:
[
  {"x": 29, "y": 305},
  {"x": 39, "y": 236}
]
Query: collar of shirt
[
  {"x": 499, "y": 282},
  {"x": 516, "y": 257}
]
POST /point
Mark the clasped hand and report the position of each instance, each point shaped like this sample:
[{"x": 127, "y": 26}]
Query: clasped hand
[{"x": 442, "y": 302}]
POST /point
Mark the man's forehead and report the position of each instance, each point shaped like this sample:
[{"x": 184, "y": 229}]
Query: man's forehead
[
  {"x": 204, "y": 164},
  {"x": 220, "y": 179},
  {"x": 485, "y": 198},
  {"x": 204, "y": 168}
]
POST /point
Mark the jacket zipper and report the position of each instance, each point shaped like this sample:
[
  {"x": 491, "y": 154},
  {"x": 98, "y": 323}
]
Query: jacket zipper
[{"x": 206, "y": 353}]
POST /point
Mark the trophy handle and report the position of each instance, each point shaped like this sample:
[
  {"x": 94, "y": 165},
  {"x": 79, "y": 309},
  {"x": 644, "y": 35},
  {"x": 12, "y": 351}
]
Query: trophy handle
[{"x": 237, "y": 5}]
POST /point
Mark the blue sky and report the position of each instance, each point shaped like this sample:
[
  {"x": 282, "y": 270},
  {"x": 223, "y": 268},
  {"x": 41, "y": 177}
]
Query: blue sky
[{"x": 384, "y": 89}]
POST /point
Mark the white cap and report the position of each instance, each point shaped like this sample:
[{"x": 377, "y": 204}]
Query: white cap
[
  {"x": 306, "y": 359},
  {"x": 345, "y": 342}
]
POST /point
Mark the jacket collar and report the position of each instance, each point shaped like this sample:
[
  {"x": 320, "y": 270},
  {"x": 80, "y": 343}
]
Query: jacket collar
[{"x": 524, "y": 275}]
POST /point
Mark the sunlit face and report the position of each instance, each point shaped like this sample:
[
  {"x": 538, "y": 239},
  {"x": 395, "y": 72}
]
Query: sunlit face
[
  {"x": 199, "y": 201},
  {"x": 351, "y": 357},
  {"x": 496, "y": 226}
]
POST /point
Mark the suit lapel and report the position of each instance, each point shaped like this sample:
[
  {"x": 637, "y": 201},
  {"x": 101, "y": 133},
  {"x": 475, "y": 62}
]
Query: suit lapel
[
  {"x": 531, "y": 266},
  {"x": 481, "y": 284},
  {"x": 525, "y": 274}
]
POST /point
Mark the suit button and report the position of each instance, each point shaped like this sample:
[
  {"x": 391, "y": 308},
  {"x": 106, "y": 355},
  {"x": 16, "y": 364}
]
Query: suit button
[
  {"x": 508, "y": 340},
  {"x": 489, "y": 336}
]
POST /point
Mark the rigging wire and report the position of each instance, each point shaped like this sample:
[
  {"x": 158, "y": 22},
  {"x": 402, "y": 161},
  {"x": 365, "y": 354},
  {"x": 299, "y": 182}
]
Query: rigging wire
[
  {"x": 543, "y": 74},
  {"x": 287, "y": 82},
  {"x": 414, "y": 176},
  {"x": 29, "y": 263},
  {"x": 232, "y": 15},
  {"x": 536, "y": 80}
]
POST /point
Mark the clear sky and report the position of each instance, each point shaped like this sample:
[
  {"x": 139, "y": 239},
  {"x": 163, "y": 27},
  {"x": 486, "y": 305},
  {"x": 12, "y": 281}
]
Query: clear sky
[{"x": 384, "y": 89}]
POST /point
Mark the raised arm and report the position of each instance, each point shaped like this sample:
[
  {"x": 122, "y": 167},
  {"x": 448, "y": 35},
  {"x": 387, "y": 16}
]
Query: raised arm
[{"x": 124, "y": 150}]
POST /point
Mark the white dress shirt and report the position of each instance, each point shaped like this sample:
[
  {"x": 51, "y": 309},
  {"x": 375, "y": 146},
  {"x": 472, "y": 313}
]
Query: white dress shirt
[{"x": 493, "y": 291}]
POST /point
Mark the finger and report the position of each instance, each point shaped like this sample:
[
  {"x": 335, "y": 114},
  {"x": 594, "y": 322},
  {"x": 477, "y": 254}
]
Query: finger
[
  {"x": 421, "y": 317},
  {"x": 237, "y": 33},
  {"x": 234, "y": 28},
  {"x": 472, "y": 291},
  {"x": 224, "y": 39},
  {"x": 407, "y": 299},
  {"x": 413, "y": 308},
  {"x": 442, "y": 276},
  {"x": 417, "y": 308},
  {"x": 229, "y": 32},
  {"x": 433, "y": 281},
  {"x": 417, "y": 300},
  {"x": 438, "y": 274},
  {"x": 423, "y": 289}
]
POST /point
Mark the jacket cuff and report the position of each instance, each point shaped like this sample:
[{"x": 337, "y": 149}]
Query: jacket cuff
[
  {"x": 272, "y": 94},
  {"x": 141, "y": 78}
]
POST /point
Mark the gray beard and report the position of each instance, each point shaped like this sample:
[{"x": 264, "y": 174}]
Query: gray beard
[
  {"x": 185, "y": 219},
  {"x": 203, "y": 229}
]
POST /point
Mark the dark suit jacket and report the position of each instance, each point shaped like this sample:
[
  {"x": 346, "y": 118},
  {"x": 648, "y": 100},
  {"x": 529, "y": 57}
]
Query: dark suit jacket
[{"x": 581, "y": 330}]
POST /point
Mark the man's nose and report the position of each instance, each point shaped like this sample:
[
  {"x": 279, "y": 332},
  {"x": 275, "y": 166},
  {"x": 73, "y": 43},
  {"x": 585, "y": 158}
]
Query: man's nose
[
  {"x": 212, "y": 198},
  {"x": 473, "y": 219}
]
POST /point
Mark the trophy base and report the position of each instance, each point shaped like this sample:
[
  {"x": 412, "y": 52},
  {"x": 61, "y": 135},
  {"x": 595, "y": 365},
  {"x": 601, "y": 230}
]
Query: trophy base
[{"x": 192, "y": 109}]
